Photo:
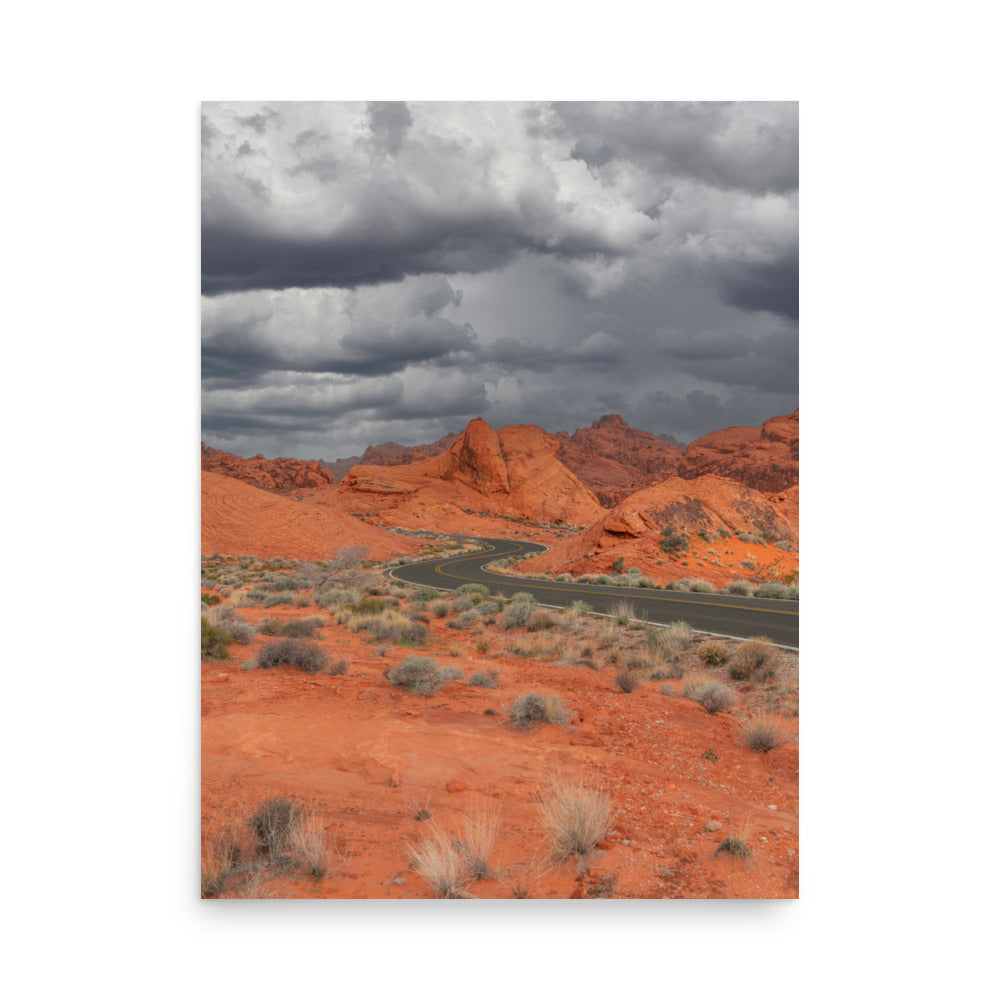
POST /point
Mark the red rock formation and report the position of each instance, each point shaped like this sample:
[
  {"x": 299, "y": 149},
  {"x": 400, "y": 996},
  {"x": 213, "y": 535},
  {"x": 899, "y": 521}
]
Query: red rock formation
[
  {"x": 766, "y": 457},
  {"x": 390, "y": 453},
  {"x": 280, "y": 475},
  {"x": 239, "y": 519},
  {"x": 512, "y": 472},
  {"x": 708, "y": 506},
  {"x": 615, "y": 460}
]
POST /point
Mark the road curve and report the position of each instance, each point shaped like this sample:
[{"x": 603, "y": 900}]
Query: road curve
[{"x": 718, "y": 614}]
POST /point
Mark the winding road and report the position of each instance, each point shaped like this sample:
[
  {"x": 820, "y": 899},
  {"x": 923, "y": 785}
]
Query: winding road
[{"x": 717, "y": 614}]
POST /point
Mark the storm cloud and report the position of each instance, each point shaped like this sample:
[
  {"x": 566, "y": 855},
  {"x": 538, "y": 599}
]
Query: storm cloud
[{"x": 389, "y": 270}]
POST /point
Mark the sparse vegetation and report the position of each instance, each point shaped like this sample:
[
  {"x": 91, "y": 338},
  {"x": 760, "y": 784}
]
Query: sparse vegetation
[
  {"x": 752, "y": 657},
  {"x": 419, "y": 674},
  {"x": 439, "y": 863},
  {"x": 713, "y": 653},
  {"x": 301, "y": 653},
  {"x": 627, "y": 680},
  {"x": 713, "y": 696},
  {"x": 735, "y": 846},
  {"x": 623, "y": 612},
  {"x": 530, "y": 709},
  {"x": 484, "y": 680},
  {"x": 761, "y": 734},
  {"x": 214, "y": 641},
  {"x": 576, "y": 816}
]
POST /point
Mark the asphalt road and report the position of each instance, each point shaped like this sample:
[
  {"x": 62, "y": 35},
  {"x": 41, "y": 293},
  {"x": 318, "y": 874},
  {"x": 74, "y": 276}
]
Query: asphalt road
[{"x": 719, "y": 614}]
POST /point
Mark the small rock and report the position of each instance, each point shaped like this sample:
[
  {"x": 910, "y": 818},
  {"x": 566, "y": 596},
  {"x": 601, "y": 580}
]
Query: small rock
[
  {"x": 394, "y": 780},
  {"x": 772, "y": 807},
  {"x": 712, "y": 825},
  {"x": 455, "y": 786}
]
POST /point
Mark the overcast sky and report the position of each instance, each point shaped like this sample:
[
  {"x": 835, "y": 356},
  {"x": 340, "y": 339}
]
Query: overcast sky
[{"x": 388, "y": 271}]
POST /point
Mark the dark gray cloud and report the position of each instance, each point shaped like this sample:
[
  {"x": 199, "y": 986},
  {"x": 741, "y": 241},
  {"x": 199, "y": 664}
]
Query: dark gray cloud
[{"x": 389, "y": 270}]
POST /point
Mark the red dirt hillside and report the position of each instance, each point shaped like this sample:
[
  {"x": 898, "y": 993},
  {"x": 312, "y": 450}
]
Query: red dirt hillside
[
  {"x": 766, "y": 457},
  {"x": 238, "y": 519},
  {"x": 709, "y": 504},
  {"x": 615, "y": 460},
  {"x": 512, "y": 472},
  {"x": 282, "y": 475}
]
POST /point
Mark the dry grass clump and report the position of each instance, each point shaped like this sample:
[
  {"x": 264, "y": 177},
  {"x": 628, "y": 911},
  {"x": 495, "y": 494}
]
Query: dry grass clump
[
  {"x": 309, "y": 841},
  {"x": 752, "y": 657},
  {"x": 628, "y": 680},
  {"x": 735, "y": 846},
  {"x": 530, "y": 709},
  {"x": 273, "y": 823},
  {"x": 713, "y": 696},
  {"x": 441, "y": 865},
  {"x": 713, "y": 653},
  {"x": 623, "y": 612},
  {"x": 575, "y": 815},
  {"x": 762, "y": 734},
  {"x": 479, "y": 835},
  {"x": 484, "y": 680}
]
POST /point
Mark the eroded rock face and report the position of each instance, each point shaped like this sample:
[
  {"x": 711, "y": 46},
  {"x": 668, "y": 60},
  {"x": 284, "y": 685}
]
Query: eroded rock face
[
  {"x": 765, "y": 458},
  {"x": 709, "y": 512},
  {"x": 512, "y": 472},
  {"x": 279, "y": 475},
  {"x": 240, "y": 519},
  {"x": 615, "y": 460}
]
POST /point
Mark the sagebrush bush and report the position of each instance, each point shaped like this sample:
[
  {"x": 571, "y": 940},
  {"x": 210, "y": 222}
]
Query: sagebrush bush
[
  {"x": 419, "y": 674},
  {"x": 227, "y": 617},
  {"x": 576, "y": 816},
  {"x": 714, "y": 696},
  {"x": 530, "y": 709},
  {"x": 761, "y": 734},
  {"x": 517, "y": 614},
  {"x": 700, "y": 587},
  {"x": 739, "y": 588},
  {"x": 539, "y": 621},
  {"x": 301, "y": 653},
  {"x": 214, "y": 641},
  {"x": 774, "y": 590},
  {"x": 713, "y": 653},
  {"x": 753, "y": 656},
  {"x": 484, "y": 680}
]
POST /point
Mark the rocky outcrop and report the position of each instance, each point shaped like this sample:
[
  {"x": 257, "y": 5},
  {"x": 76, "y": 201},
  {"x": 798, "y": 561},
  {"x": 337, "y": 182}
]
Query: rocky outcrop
[
  {"x": 512, "y": 472},
  {"x": 765, "y": 458},
  {"x": 390, "y": 453},
  {"x": 279, "y": 475},
  {"x": 707, "y": 514},
  {"x": 240, "y": 519},
  {"x": 615, "y": 460}
]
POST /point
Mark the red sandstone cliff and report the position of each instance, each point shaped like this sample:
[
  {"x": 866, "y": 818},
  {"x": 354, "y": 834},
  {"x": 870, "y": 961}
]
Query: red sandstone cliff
[{"x": 280, "y": 475}]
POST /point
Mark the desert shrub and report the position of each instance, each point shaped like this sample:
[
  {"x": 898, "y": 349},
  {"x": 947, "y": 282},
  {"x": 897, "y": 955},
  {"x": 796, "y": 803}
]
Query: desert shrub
[
  {"x": 420, "y": 674},
  {"x": 221, "y": 856},
  {"x": 533, "y": 708},
  {"x": 210, "y": 599},
  {"x": 677, "y": 635},
  {"x": 466, "y": 620},
  {"x": 446, "y": 674},
  {"x": 214, "y": 641},
  {"x": 440, "y": 864},
  {"x": 368, "y": 606},
  {"x": 753, "y": 656},
  {"x": 623, "y": 612},
  {"x": 700, "y": 587},
  {"x": 426, "y": 594},
  {"x": 484, "y": 643},
  {"x": 273, "y": 823},
  {"x": 575, "y": 816},
  {"x": 274, "y": 600},
  {"x": 774, "y": 590},
  {"x": 307, "y": 656},
  {"x": 672, "y": 541},
  {"x": 761, "y": 734},
  {"x": 627, "y": 680},
  {"x": 349, "y": 557},
  {"x": 619, "y": 564},
  {"x": 439, "y": 608},
  {"x": 579, "y": 608},
  {"x": 227, "y": 617},
  {"x": 565, "y": 578},
  {"x": 735, "y": 846},
  {"x": 694, "y": 680},
  {"x": 539, "y": 621},
  {"x": 517, "y": 614},
  {"x": 713, "y": 696},
  {"x": 484, "y": 680},
  {"x": 473, "y": 589},
  {"x": 713, "y": 653},
  {"x": 301, "y": 628},
  {"x": 739, "y": 588}
]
